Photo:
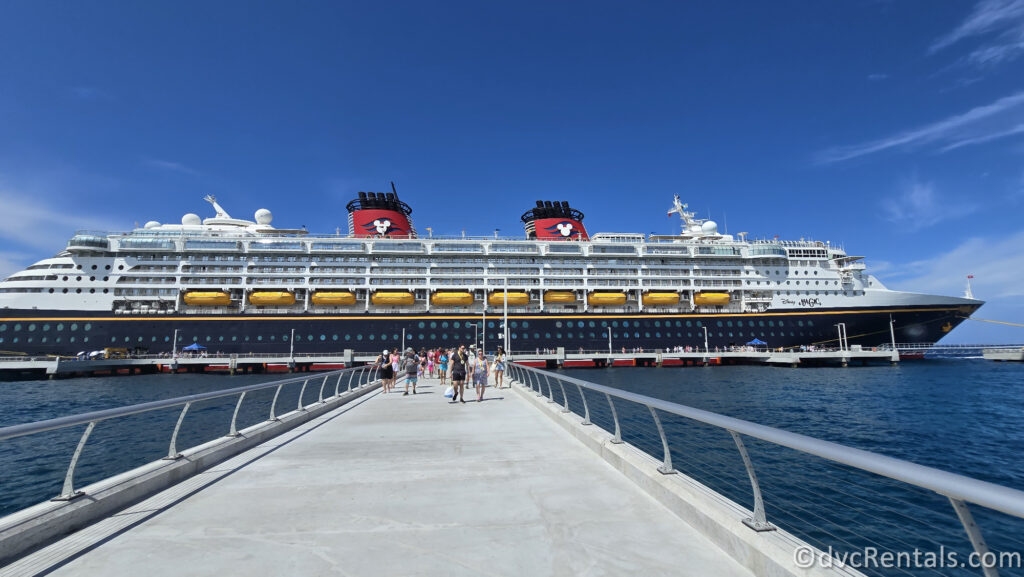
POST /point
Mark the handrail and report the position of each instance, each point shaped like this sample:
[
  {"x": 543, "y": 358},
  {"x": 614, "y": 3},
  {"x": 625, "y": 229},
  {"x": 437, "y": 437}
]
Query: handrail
[
  {"x": 959, "y": 489},
  {"x": 68, "y": 492},
  {"x": 13, "y": 431}
]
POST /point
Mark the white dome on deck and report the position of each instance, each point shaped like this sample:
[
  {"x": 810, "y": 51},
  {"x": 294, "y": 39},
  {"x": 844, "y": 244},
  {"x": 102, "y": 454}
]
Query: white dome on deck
[
  {"x": 152, "y": 224},
  {"x": 709, "y": 227},
  {"x": 191, "y": 219},
  {"x": 264, "y": 216}
]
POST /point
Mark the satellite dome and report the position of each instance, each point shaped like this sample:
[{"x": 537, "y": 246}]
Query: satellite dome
[
  {"x": 709, "y": 227},
  {"x": 264, "y": 216},
  {"x": 191, "y": 219},
  {"x": 152, "y": 224}
]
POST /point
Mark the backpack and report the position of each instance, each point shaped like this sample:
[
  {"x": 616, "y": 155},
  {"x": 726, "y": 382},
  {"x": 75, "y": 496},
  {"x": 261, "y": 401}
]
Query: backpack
[{"x": 411, "y": 365}]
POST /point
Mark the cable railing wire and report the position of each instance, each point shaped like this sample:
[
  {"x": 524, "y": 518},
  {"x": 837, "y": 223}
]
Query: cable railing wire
[{"x": 915, "y": 498}]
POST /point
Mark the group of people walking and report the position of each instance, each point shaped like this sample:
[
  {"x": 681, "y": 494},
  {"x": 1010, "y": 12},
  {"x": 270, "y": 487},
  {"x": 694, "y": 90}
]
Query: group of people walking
[{"x": 462, "y": 367}]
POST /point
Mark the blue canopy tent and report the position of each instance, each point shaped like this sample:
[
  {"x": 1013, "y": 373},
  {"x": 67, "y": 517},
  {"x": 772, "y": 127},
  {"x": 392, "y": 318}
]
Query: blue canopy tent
[
  {"x": 194, "y": 347},
  {"x": 757, "y": 342}
]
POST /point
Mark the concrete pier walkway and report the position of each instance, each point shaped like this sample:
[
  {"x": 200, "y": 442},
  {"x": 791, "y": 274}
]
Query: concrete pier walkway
[{"x": 398, "y": 485}]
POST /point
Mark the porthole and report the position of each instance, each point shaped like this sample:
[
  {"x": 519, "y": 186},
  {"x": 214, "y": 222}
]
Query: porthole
[
  {"x": 79, "y": 291},
  {"x": 65, "y": 291},
  {"x": 433, "y": 324},
  {"x": 625, "y": 324},
  {"x": 558, "y": 324},
  {"x": 167, "y": 339},
  {"x": 220, "y": 339},
  {"x": 526, "y": 324},
  {"x": 718, "y": 323},
  {"x": 359, "y": 337},
  {"x": 334, "y": 337},
  {"x": 456, "y": 325},
  {"x": 92, "y": 291},
  {"x": 92, "y": 278},
  {"x": 421, "y": 324},
  {"x": 309, "y": 338},
  {"x": 87, "y": 327},
  {"x": 51, "y": 291},
  {"x": 259, "y": 338},
  {"x": 348, "y": 337},
  {"x": 31, "y": 327},
  {"x": 72, "y": 339},
  {"x": 208, "y": 338},
  {"x": 444, "y": 324},
  {"x": 323, "y": 337}
]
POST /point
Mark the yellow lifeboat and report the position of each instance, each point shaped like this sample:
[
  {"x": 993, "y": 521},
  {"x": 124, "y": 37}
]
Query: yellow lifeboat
[
  {"x": 497, "y": 299},
  {"x": 332, "y": 298},
  {"x": 207, "y": 299},
  {"x": 606, "y": 299},
  {"x": 392, "y": 298},
  {"x": 451, "y": 299},
  {"x": 711, "y": 299},
  {"x": 268, "y": 298},
  {"x": 660, "y": 298},
  {"x": 559, "y": 297}
]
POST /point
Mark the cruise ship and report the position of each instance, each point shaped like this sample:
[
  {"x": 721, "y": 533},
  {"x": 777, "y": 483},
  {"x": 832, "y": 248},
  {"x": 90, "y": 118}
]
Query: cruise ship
[{"x": 240, "y": 286}]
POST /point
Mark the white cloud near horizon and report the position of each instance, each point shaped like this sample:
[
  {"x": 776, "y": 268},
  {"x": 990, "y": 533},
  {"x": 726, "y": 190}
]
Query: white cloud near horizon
[
  {"x": 1003, "y": 19},
  {"x": 978, "y": 125},
  {"x": 997, "y": 264}
]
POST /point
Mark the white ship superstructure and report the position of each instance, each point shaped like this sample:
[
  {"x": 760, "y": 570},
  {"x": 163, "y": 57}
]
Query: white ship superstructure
[{"x": 238, "y": 285}]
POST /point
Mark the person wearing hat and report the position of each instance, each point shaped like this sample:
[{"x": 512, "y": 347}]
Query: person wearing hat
[
  {"x": 412, "y": 367},
  {"x": 387, "y": 372}
]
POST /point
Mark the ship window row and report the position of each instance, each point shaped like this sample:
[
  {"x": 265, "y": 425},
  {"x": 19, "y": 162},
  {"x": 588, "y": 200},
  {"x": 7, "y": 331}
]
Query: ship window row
[
  {"x": 56, "y": 265},
  {"x": 342, "y": 281},
  {"x": 394, "y": 282},
  {"x": 467, "y": 270},
  {"x": 30, "y": 277},
  {"x": 145, "y": 292},
  {"x": 43, "y": 327},
  {"x": 516, "y": 270},
  {"x": 401, "y": 270}
]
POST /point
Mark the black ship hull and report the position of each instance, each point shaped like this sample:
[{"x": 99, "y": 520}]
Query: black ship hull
[{"x": 37, "y": 332}]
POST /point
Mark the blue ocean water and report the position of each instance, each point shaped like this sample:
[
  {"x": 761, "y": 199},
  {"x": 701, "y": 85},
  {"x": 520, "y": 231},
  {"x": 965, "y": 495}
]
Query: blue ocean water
[{"x": 965, "y": 416}]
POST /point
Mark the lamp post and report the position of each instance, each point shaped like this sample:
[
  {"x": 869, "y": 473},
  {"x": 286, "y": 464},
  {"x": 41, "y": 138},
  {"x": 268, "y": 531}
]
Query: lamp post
[
  {"x": 483, "y": 327},
  {"x": 291, "y": 346},
  {"x": 504, "y": 322},
  {"x": 609, "y": 341},
  {"x": 706, "y": 351},
  {"x": 174, "y": 345},
  {"x": 403, "y": 341},
  {"x": 476, "y": 332}
]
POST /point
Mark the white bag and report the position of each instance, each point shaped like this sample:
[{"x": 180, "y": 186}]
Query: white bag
[{"x": 449, "y": 392}]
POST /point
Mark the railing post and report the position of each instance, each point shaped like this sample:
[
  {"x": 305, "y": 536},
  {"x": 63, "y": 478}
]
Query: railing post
[
  {"x": 985, "y": 557},
  {"x": 758, "y": 521},
  {"x": 301, "y": 392},
  {"x": 666, "y": 466},
  {"x": 565, "y": 397},
  {"x": 615, "y": 416},
  {"x": 337, "y": 384},
  {"x": 586, "y": 409},
  {"x": 172, "y": 451},
  {"x": 234, "y": 417},
  {"x": 351, "y": 376},
  {"x": 551, "y": 394},
  {"x": 322, "y": 385},
  {"x": 273, "y": 404},
  {"x": 68, "y": 492}
]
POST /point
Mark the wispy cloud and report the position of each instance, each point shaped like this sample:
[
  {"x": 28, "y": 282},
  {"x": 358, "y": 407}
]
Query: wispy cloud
[
  {"x": 918, "y": 206},
  {"x": 1001, "y": 22},
  {"x": 170, "y": 166},
  {"x": 28, "y": 220},
  {"x": 877, "y": 77},
  {"x": 980, "y": 124},
  {"x": 88, "y": 93}
]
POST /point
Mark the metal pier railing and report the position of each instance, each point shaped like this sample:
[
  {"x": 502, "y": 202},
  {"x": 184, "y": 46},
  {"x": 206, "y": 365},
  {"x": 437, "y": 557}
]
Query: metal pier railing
[
  {"x": 340, "y": 382},
  {"x": 847, "y": 499}
]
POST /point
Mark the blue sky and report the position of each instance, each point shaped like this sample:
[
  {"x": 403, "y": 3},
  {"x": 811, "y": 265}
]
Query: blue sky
[{"x": 893, "y": 128}]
